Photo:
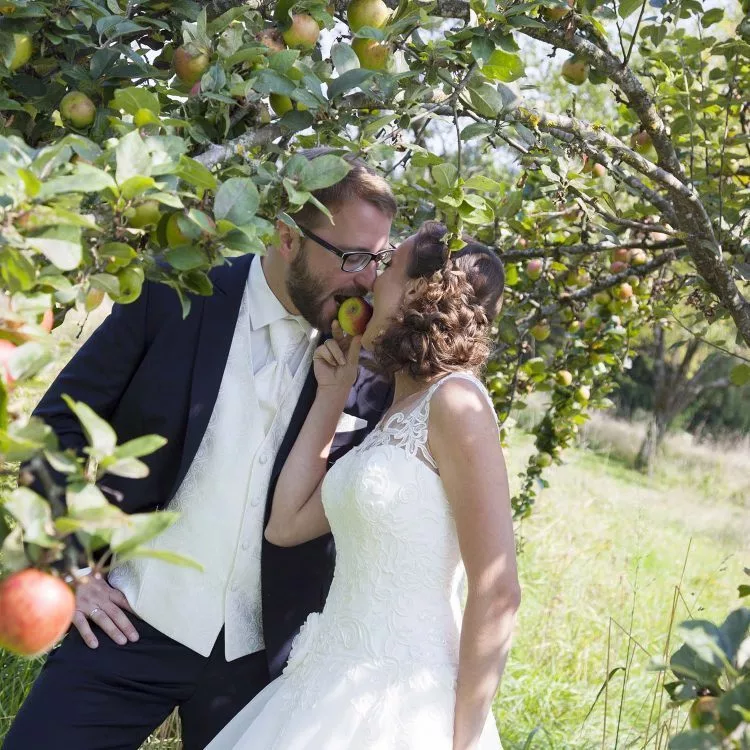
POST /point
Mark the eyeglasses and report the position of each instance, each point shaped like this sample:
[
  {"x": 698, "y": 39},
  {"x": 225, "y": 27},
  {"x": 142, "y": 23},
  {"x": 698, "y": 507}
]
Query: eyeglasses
[{"x": 355, "y": 260}]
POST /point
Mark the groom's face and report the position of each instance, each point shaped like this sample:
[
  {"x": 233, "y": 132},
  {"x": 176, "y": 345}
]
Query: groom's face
[{"x": 315, "y": 281}]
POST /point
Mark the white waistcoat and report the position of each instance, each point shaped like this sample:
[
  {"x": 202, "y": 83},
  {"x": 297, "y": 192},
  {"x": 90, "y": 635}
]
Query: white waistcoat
[{"x": 221, "y": 502}]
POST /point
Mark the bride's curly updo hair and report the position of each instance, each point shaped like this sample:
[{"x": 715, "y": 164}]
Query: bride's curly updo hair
[{"x": 445, "y": 327}]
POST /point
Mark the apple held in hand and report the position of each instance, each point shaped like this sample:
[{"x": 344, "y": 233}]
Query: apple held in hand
[
  {"x": 354, "y": 315},
  {"x": 37, "y": 608}
]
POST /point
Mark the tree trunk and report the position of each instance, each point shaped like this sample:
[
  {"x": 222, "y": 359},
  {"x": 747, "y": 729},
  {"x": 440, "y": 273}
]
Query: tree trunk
[{"x": 655, "y": 432}]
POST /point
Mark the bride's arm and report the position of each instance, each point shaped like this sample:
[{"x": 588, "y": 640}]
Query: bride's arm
[
  {"x": 464, "y": 441},
  {"x": 297, "y": 513}
]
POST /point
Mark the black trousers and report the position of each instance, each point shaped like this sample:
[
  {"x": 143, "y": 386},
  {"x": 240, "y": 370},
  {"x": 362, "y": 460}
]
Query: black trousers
[{"x": 113, "y": 697}]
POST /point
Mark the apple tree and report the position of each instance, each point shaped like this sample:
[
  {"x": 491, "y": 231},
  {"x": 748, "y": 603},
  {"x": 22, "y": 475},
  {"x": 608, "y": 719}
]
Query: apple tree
[{"x": 153, "y": 140}]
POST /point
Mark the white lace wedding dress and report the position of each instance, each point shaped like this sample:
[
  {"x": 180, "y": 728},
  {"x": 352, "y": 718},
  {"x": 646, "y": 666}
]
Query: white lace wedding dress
[{"x": 376, "y": 670}]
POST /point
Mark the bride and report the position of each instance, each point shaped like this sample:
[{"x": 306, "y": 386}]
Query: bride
[{"x": 391, "y": 663}]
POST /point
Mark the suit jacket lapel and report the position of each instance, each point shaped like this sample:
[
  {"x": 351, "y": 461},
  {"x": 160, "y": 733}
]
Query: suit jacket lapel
[{"x": 218, "y": 319}]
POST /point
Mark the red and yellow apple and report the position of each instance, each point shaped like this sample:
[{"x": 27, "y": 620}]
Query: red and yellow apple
[
  {"x": 303, "y": 32},
  {"x": 641, "y": 141},
  {"x": 37, "y": 610},
  {"x": 189, "y": 64},
  {"x": 557, "y": 14},
  {"x": 534, "y": 268},
  {"x": 354, "y": 315}
]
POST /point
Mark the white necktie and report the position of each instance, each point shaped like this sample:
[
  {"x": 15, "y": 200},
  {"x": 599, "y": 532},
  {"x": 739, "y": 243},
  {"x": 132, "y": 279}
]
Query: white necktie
[{"x": 275, "y": 377}]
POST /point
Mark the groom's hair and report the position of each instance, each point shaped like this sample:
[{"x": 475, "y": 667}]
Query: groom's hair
[{"x": 362, "y": 182}]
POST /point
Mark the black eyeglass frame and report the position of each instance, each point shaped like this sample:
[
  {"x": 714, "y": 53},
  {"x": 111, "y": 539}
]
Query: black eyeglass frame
[{"x": 384, "y": 256}]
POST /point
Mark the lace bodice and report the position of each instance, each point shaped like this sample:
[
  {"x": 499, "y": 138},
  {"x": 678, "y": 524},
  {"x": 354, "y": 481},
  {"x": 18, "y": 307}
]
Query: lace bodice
[{"x": 394, "y": 596}]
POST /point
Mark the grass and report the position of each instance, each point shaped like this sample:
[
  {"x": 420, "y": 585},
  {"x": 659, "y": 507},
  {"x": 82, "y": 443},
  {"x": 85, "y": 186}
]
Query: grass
[{"x": 609, "y": 561}]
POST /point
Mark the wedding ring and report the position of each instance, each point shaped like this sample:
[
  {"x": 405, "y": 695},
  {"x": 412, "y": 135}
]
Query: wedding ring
[{"x": 94, "y": 611}]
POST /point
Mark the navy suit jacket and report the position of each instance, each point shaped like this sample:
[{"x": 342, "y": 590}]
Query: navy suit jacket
[{"x": 147, "y": 370}]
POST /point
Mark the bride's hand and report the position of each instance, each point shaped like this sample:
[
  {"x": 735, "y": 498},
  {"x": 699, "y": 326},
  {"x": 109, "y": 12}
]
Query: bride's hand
[{"x": 336, "y": 361}]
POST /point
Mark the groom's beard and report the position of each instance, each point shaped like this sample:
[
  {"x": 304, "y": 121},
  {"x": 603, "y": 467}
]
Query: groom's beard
[{"x": 308, "y": 294}]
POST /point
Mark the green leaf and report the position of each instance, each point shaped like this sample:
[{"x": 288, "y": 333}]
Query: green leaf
[
  {"x": 194, "y": 173},
  {"x": 136, "y": 185},
  {"x": 740, "y": 374},
  {"x": 167, "y": 556},
  {"x": 130, "y": 468},
  {"x": 486, "y": 99},
  {"x": 477, "y": 130},
  {"x": 348, "y": 81},
  {"x": 480, "y": 182},
  {"x": 133, "y": 98},
  {"x": 482, "y": 48},
  {"x": 504, "y": 66},
  {"x": 236, "y": 200},
  {"x": 99, "y": 434},
  {"x": 34, "y": 515},
  {"x": 64, "y": 254},
  {"x": 445, "y": 176},
  {"x": 28, "y": 359},
  {"x": 629, "y": 6},
  {"x": 140, "y": 446},
  {"x": 711, "y": 17},
  {"x": 31, "y": 183},
  {"x": 743, "y": 590},
  {"x": 323, "y": 172},
  {"x": 695, "y": 739},
  {"x": 140, "y": 528},
  {"x": 185, "y": 257},
  {"x": 344, "y": 58},
  {"x": 85, "y": 179},
  {"x": 133, "y": 158}
]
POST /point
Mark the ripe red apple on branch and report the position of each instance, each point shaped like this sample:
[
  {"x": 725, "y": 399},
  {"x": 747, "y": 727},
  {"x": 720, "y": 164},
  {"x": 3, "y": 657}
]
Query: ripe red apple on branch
[
  {"x": 303, "y": 32},
  {"x": 36, "y": 610},
  {"x": 189, "y": 64}
]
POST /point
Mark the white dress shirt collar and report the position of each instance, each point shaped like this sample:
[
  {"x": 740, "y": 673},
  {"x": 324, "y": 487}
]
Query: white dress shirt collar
[{"x": 265, "y": 307}]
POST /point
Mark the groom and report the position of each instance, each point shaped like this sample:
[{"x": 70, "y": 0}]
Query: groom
[{"x": 229, "y": 387}]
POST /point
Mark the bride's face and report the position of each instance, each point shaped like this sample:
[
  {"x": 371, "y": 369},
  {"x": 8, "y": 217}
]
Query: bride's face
[{"x": 388, "y": 293}]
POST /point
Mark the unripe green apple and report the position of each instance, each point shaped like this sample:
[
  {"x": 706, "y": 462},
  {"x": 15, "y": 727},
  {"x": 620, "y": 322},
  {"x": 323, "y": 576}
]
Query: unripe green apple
[
  {"x": 189, "y": 64},
  {"x": 22, "y": 49},
  {"x": 303, "y": 33},
  {"x": 371, "y": 54},
  {"x": 282, "y": 104},
  {"x": 543, "y": 460},
  {"x": 563, "y": 377},
  {"x": 77, "y": 109},
  {"x": 145, "y": 214},
  {"x": 575, "y": 71},
  {"x": 541, "y": 331},
  {"x": 582, "y": 394},
  {"x": 638, "y": 257},
  {"x": 174, "y": 234},
  {"x": 361, "y": 13}
]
